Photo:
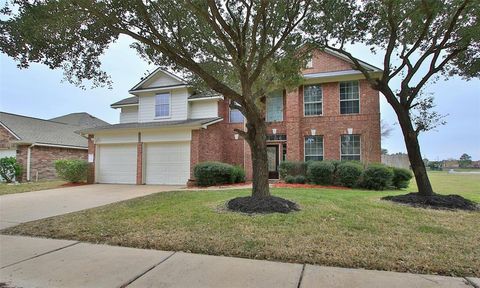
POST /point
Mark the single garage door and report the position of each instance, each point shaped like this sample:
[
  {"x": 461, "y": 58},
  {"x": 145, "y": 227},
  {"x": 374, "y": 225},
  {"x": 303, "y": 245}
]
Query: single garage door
[
  {"x": 117, "y": 163},
  {"x": 167, "y": 163}
]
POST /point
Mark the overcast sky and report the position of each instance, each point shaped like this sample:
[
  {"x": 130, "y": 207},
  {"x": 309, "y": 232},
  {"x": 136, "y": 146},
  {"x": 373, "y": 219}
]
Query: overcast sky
[{"x": 40, "y": 92}]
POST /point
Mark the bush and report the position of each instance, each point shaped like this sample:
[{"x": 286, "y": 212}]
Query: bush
[
  {"x": 299, "y": 179},
  {"x": 377, "y": 177},
  {"x": 292, "y": 168},
  {"x": 238, "y": 174},
  {"x": 320, "y": 172},
  {"x": 214, "y": 173},
  {"x": 401, "y": 177},
  {"x": 348, "y": 174},
  {"x": 10, "y": 170},
  {"x": 72, "y": 170}
]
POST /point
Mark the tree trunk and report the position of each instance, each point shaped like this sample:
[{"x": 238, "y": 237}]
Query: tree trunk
[
  {"x": 257, "y": 139},
  {"x": 414, "y": 154}
]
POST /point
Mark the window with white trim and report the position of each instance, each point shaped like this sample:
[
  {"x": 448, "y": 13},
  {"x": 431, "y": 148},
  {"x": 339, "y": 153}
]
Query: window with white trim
[
  {"x": 314, "y": 148},
  {"x": 162, "y": 105},
  {"x": 274, "y": 107},
  {"x": 349, "y": 97},
  {"x": 350, "y": 147},
  {"x": 236, "y": 116},
  {"x": 312, "y": 100}
]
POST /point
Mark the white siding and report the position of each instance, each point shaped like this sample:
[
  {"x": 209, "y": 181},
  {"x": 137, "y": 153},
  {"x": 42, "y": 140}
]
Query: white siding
[
  {"x": 167, "y": 135},
  {"x": 178, "y": 109},
  {"x": 129, "y": 114},
  {"x": 161, "y": 79},
  {"x": 203, "y": 109},
  {"x": 112, "y": 138}
]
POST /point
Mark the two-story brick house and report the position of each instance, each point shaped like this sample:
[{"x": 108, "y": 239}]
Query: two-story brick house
[{"x": 166, "y": 128}]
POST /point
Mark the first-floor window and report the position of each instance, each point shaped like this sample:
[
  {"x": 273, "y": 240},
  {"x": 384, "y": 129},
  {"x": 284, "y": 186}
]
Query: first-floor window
[
  {"x": 350, "y": 147},
  {"x": 314, "y": 148},
  {"x": 236, "y": 116}
]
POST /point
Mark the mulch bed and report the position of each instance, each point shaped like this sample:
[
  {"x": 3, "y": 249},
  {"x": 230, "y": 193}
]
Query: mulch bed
[
  {"x": 286, "y": 185},
  {"x": 436, "y": 201},
  {"x": 265, "y": 205}
]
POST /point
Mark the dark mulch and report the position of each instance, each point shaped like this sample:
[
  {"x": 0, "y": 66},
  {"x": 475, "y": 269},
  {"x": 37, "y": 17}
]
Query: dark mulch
[
  {"x": 270, "y": 204},
  {"x": 435, "y": 201}
]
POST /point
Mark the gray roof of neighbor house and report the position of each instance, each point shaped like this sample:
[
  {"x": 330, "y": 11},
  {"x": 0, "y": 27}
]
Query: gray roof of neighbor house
[
  {"x": 157, "y": 124},
  {"x": 81, "y": 119},
  {"x": 31, "y": 130}
]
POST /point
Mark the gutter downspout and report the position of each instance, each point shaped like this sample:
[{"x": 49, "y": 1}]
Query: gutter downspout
[{"x": 29, "y": 158}]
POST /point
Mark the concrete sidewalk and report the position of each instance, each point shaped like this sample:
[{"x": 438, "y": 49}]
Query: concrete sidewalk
[{"x": 37, "y": 262}]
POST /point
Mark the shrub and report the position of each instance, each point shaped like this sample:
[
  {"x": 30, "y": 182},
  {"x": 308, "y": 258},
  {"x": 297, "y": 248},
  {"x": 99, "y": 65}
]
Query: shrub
[
  {"x": 348, "y": 174},
  {"x": 401, "y": 177},
  {"x": 300, "y": 179},
  {"x": 320, "y": 172},
  {"x": 238, "y": 174},
  {"x": 10, "y": 169},
  {"x": 290, "y": 179},
  {"x": 214, "y": 173},
  {"x": 72, "y": 170},
  {"x": 292, "y": 168},
  {"x": 377, "y": 177}
]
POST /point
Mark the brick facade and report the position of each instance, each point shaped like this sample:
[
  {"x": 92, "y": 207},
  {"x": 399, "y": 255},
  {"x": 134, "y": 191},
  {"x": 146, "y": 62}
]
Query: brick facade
[
  {"x": 6, "y": 138},
  {"x": 217, "y": 143},
  {"x": 42, "y": 160}
]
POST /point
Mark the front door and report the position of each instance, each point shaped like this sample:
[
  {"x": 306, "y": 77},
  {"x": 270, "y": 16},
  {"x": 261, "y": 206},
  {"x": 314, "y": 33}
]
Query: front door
[{"x": 272, "y": 152}]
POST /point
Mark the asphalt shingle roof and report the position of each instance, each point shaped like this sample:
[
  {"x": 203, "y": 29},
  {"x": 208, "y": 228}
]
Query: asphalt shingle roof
[
  {"x": 207, "y": 94},
  {"x": 33, "y": 130},
  {"x": 127, "y": 101},
  {"x": 157, "y": 124},
  {"x": 81, "y": 119}
]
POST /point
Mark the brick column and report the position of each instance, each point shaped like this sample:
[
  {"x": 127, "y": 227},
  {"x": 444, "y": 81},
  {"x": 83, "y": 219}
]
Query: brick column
[
  {"x": 293, "y": 131},
  {"x": 139, "y": 179}
]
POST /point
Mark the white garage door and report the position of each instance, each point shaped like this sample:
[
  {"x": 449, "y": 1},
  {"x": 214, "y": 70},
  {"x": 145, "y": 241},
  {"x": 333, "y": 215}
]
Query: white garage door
[
  {"x": 167, "y": 163},
  {"x": 117, "y": 163}
]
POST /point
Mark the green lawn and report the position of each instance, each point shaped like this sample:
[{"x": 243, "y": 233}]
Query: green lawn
[
  {"x": 29, "y": 186},
  {"x": 348, "y": 228}
]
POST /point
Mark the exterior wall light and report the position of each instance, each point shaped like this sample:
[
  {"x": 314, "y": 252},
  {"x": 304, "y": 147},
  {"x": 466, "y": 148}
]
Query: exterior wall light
[
  {"x": 274, "y": 131},
  {"x": 235, "y": 136}
]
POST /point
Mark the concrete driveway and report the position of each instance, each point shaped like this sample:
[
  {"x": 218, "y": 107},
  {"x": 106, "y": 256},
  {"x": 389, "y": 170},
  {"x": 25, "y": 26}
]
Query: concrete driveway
[{"x": 24, "y": 207}]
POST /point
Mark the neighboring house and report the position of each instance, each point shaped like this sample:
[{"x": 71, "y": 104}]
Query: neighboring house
[
  {"x": 399, "y": 160},
  {"x": 37, "y": 143},
  {"x": 166, "y": 128}
]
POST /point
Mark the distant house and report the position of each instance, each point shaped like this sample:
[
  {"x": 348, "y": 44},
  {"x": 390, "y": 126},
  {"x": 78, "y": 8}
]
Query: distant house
[
  {"x": 450, "y": 164},
  {"x": 37, "y": 143}
]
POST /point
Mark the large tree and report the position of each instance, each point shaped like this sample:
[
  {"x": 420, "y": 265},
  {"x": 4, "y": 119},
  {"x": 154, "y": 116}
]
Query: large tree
[
  {"x": 419, "y": 40},
  {"x": 240, "y": 49}
]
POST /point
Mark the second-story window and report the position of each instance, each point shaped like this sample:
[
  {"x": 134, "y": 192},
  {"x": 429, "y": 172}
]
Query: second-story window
[
  {"x": 312, "y": 100},
  {"x": 349, "y": 97},
  {"x": 162, "y": 105},
  {"x": 236, "y": 116},
  {"x": 275, "y": 107}
]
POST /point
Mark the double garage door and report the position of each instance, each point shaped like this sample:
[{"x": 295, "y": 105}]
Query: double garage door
[{"x": 163, "y": 163}]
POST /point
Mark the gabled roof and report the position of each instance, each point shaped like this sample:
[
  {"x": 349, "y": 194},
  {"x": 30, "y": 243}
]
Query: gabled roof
[
  {"x": 156, "y": 124},
  {"x": 29, "y": 130},
  {"x": 138, "y": 86},
  {"x": 81, "y": 119},
  {"x": 345, "y": 58}
]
